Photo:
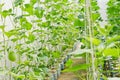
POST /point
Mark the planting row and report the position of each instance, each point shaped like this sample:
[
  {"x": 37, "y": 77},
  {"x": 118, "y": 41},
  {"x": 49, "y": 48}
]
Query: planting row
[{"x": 42, "y": 32}]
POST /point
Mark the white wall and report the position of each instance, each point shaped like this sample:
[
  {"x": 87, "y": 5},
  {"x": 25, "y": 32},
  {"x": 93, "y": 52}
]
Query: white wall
[{"x": 103, "y": 7}]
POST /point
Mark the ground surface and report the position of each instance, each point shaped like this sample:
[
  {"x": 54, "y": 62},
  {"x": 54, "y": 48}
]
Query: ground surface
[{"x": 71, "y": 75}]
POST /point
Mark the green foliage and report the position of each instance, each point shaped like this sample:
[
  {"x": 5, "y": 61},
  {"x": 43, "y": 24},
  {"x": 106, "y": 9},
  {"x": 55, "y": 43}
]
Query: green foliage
[
  {"x": 77, "y": 68},
  {"x": 28, "y": 8},
  {"x": 113, "y": 39},
  {"x": 25, "y": 24},
  {"x": 113, "y": 15},
  {"x": 32, "y": 2},
  {"x": 1, "y": 5},
  {"x": 95, "y": 16},
  {"x": 102, "y": 30},
  {"x": 69, "y": 63},
  {"x": 56, "y": 54},
  {"x": 39, "y": 12},
  {"x": 79, "y": 23},
  {"x": 11, "y": 33},
  {"x": 112, "y": 52},
  {"x": 95, "y": 41},
  {"x": 6, "y": 13},
  {"x": 42, "y": 33},
  {"x": 18, "y": 2},
  {"x": 31, "y": 37},
  {"x": 2, "y": 28},
  {"x": 18, "y": 77}
]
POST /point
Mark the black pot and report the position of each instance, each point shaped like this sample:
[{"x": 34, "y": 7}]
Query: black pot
[{"x": 62, "y": 65}]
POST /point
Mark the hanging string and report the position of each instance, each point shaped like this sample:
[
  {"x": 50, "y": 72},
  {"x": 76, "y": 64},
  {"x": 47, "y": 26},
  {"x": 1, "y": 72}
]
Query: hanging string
[
  {"x": 89, "y": 25},
  {"x": 85, "y": 28},
  {"x": 92, "y": 31}
]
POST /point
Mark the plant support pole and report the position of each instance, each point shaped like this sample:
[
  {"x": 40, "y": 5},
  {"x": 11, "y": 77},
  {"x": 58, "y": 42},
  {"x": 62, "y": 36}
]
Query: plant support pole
[
  {"x": 87, "y": 55},
  {"x": 89, "y": 25}
]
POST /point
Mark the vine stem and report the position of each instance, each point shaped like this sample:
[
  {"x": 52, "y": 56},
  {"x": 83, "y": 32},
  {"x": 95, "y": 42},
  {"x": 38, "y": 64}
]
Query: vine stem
[
  {"x": 87, "y": 55},
  {"x": 88, "y": 12}
]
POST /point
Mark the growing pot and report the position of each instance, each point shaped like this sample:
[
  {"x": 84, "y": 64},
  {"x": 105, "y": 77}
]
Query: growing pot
[
  {"x": 54, "y": 73},
  {"x": 67, "y": 57},
  {"x": 58, "y": 70},
  {"x": 62, "y": 65}
]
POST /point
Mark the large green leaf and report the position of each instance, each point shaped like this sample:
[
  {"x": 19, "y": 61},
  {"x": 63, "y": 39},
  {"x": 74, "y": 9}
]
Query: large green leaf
[
  {"x": 102, "y": 30},
  {"x": 28, "y": 8},
  {"x": 6, "y": 13},
  {"x": 78, "y": 22},
  {"x": 95, "y": 41},
  {"x": 39, "y": 12},
  {"x": 95, "y": 16},
  {"x": 69, "y": 63},
  {"x": 112, "y": 52},
  {"x": 25, "y": 24},
  {"x": 77, "y": 68},
  {"x": 11, "y": 33},
  {"x": 113, "y": 39}
]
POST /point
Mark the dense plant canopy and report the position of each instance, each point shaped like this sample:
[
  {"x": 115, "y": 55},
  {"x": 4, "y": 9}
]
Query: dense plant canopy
[{"x": 44, "y": 31}]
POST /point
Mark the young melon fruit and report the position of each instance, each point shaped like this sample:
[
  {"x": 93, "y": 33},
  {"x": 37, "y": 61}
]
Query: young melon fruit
[{"x": 12, "y": 56}]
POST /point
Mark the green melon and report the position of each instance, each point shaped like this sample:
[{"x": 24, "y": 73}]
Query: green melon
[{"x": 12, "y": 56}]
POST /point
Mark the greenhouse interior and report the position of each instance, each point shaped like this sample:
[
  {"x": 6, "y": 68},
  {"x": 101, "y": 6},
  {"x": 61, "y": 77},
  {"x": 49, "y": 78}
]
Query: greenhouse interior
[{"x": 59, "y": 39}]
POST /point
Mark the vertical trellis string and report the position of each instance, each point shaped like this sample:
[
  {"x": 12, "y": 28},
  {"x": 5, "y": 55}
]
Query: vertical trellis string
[
  {"x": 89, "y": 25},
  {"x": 85, "y": 28}
]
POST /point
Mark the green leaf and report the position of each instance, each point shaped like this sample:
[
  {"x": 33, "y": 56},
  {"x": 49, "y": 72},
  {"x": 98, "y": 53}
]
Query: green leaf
[
  {"x": 69, "y": 63},
  {"x": 39, "y": 12},
  {"x": 112, "y": 52},
  {"x": 6, "y": 13},
  {"x": 1, "y": 5},
  {"x": 2, "y": 27},
  {"x": 78, "y": 23},
  {"x": 77, "y": 68},
  {"x": 101, "y": 30},
  {"x": 18, "y": 2},
  {"x": 109, "y": 28},
  {"x": 20, "y": 77},
  {"x": 11, "y": 33},
  {"x": 15, "y": 39},
  {"x": 32, "y": 2},
  {"x": 56, "y": 54},
  {"x": 26, "y": 62},
  {"x": 25, "y": 24},
  {"x": 112, "y": 39},
  {"x": 95, "y": 16},
  {"x": 28, "y": 8},
  {"x": 95, "y": 41},
  {"x": 31, "y": 37}
]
